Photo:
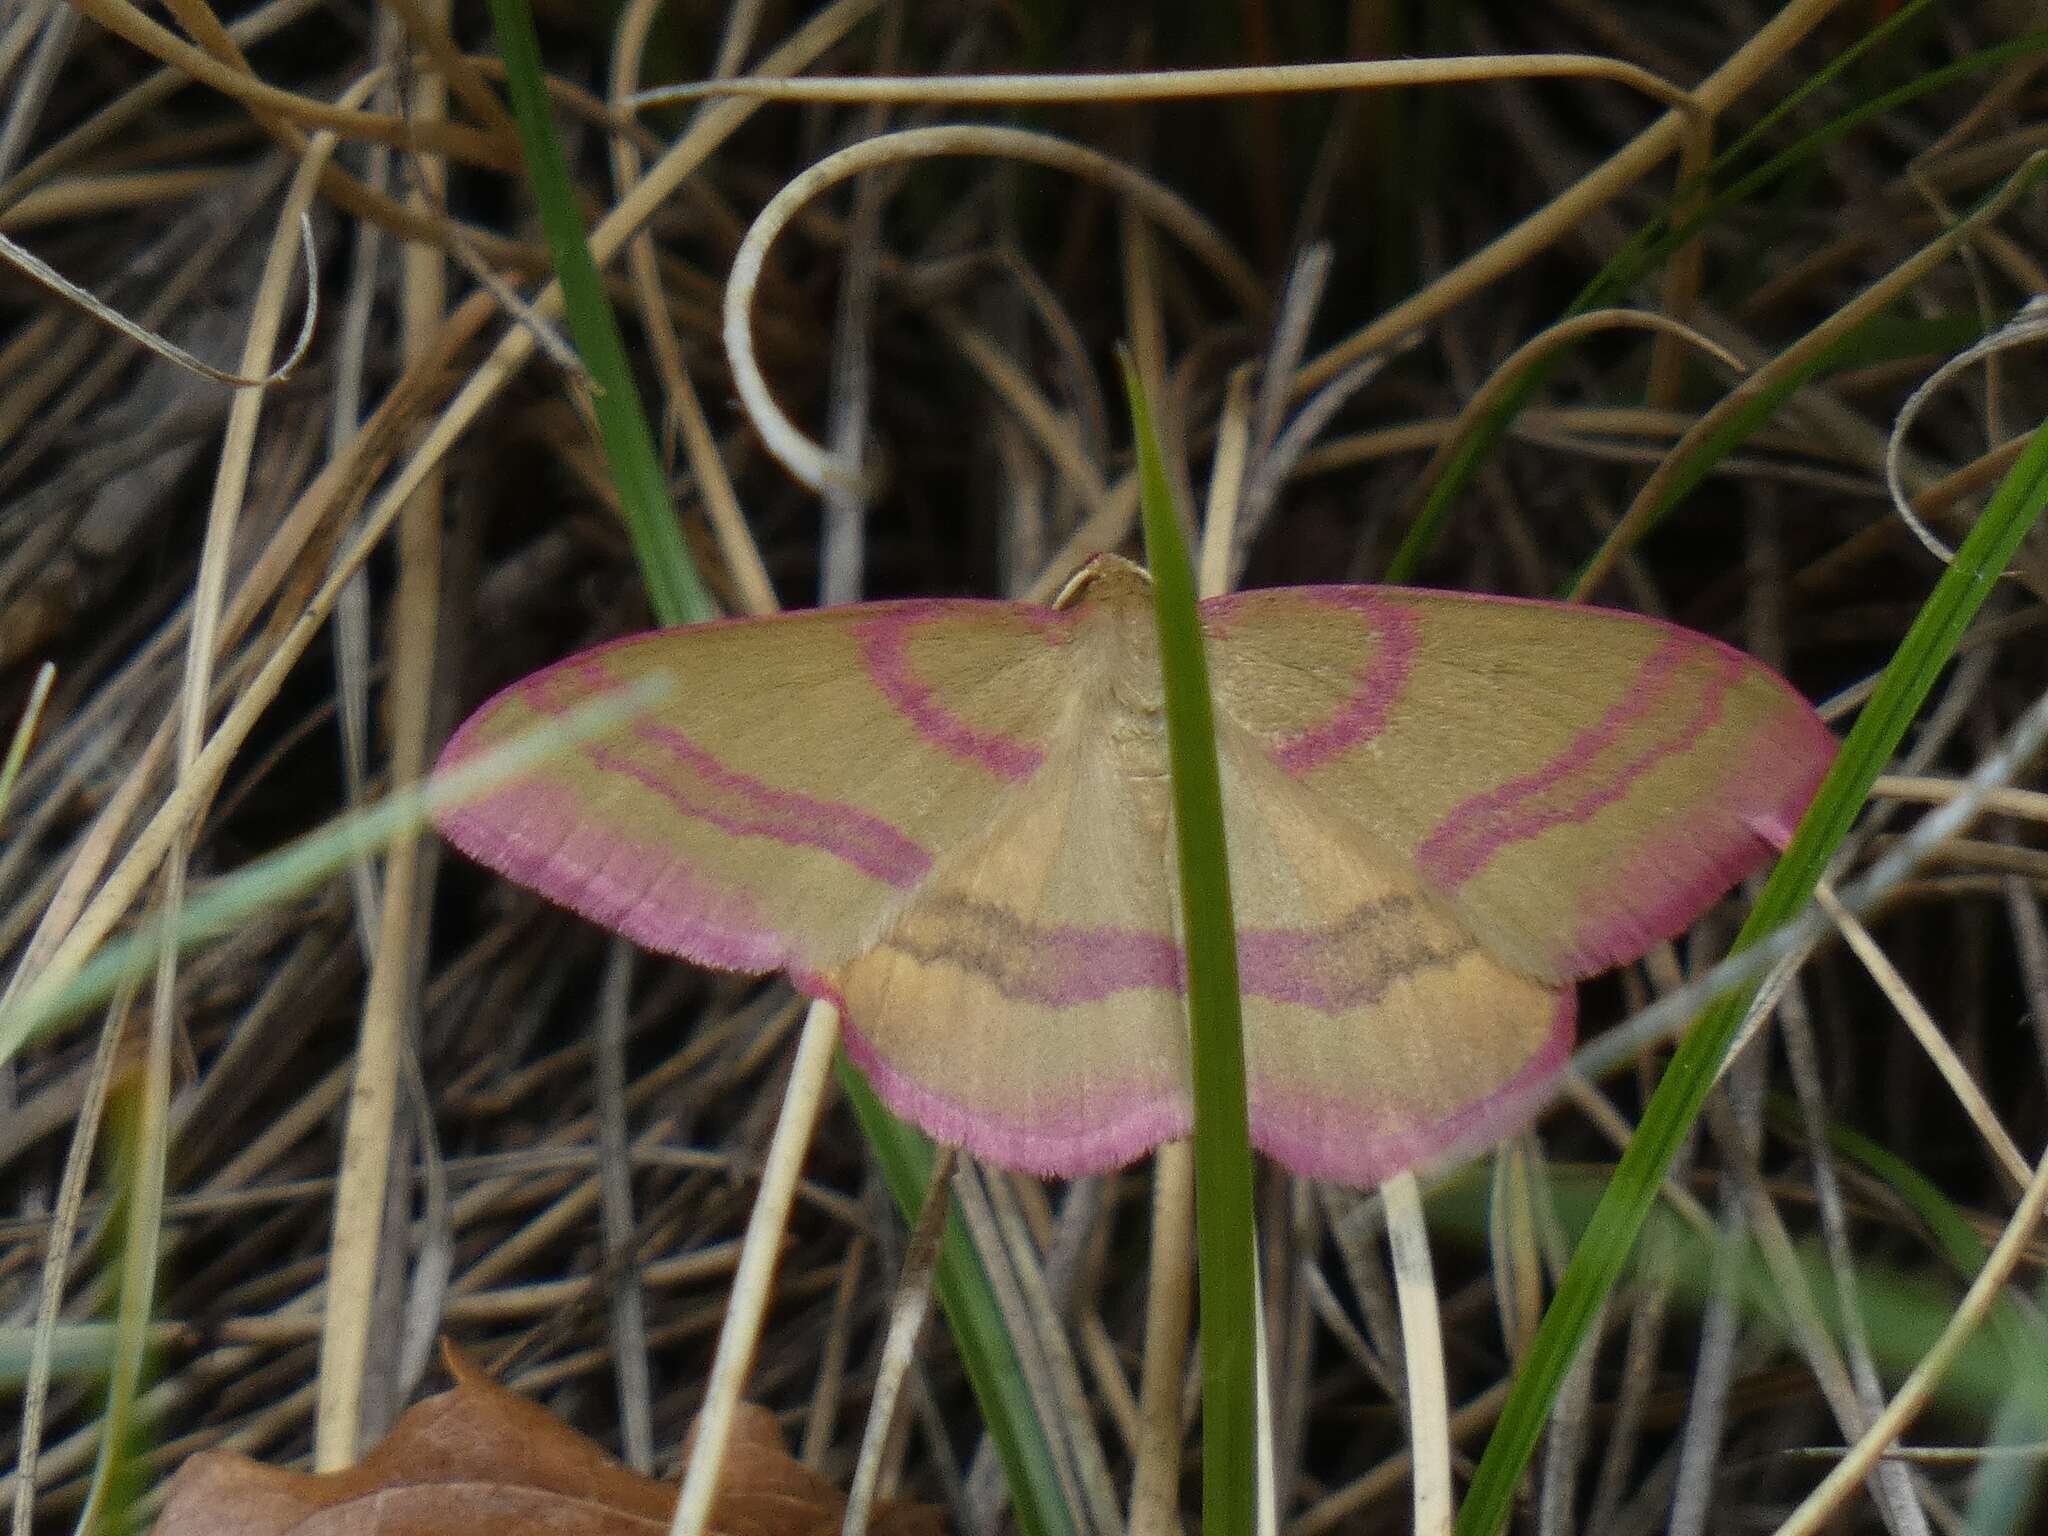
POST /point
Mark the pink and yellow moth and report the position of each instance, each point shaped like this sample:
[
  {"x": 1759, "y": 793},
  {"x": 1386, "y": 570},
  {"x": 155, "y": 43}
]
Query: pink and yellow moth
[{"x": 952, "y": 820}]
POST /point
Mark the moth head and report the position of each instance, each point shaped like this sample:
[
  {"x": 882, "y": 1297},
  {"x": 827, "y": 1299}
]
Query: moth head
[{"x": 1106, "y": 576}]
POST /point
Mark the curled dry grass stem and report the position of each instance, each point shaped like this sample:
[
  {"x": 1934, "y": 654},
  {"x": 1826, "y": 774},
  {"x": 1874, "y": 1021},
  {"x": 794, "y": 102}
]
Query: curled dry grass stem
[{"x": 801, "y": 455}]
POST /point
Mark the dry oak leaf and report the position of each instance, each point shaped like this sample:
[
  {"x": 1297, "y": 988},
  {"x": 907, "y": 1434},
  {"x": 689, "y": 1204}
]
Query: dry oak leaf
[{"x": 480, "y": 1459}]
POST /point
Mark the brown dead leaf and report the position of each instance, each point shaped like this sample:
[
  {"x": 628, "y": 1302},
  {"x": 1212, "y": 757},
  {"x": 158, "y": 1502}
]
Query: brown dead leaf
[{"x": 481, "y": 1461}]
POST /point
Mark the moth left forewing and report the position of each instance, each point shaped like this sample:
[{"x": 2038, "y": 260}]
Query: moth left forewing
[{"x": 795, "y": 786}]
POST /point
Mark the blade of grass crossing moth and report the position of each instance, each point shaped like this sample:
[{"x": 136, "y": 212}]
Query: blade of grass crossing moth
[
  {"x": 677, "y": 596},
  {"x": 1223, "y": 1154},
  {"x": 1601, "y": 1254},
  {"x": 265, "y": 883},
  {"x": 976, "y": 1321},
  {"x": 673, "y": 586}
]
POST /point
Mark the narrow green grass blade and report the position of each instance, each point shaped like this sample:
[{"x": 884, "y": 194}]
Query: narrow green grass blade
[
  {"x": 120, "y": 1471},
  {"x": 986, "y": 1350},
  {"x": 1223, "y": 1152},
  {"x": 1955, "y": 1237},
  {"x": 678, "y": 597},
  {"x": 1653, "y": 244},
  {"x": 1599, "y": 1257},
  {"x": 1902, "y": 1313},
  {"x": 24, "y": 733},
  {"x": 673, "y": 586},
  {"x": 79, "y": 1352},
  {"x": 265, "y": 884}
]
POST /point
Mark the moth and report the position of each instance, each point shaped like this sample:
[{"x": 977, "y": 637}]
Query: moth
[{"x": 953, "y": 820}]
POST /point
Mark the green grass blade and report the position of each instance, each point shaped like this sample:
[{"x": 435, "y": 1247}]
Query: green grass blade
[
  {"x": 1223, "y": 1153},
  {"x": 1653, "y": 244},
  {"x": 264, "y": 884},
  {"x": 120, "y": 1471},
  {"x": 986, "y": 1349},
  {"x": 1600, "y": 1256},
  {"x": 673, "y": 586},
  {"x": 24, "y": 733},
  {"x": 1901, "y": 1313},
  {"x": 79, "y": 1352}
]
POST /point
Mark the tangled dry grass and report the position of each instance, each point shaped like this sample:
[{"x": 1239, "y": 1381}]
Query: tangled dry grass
[{"x": 576, "y": 1132}]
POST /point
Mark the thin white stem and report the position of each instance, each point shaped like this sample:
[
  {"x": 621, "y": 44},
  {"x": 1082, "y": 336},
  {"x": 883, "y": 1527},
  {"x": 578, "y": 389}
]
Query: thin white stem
[
  {"x": 1264, "y": 1479},
  {"x": 1422, "y": 1345},
  {"x": 1826, "y": 1501},
  {"x": 907, "y": 1312},
  {"x": 748, "y": 1305}
]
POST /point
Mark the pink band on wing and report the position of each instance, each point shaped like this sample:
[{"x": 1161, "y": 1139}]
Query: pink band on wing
[
  {"x": 1468, "y": 838},
  {"x": 868, "y": 843},
  {"x": 1679, "y": 873},
  {"x": 865, "y": 842},
  {"x": 884, "y": 645},
  {"x": 1068, "y": 966},
  {"x": 1377, "y": 685}
]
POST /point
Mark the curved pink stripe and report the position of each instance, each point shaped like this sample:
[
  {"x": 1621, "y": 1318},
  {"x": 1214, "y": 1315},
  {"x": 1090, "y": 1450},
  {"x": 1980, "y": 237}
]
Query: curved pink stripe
[
  {"x": 1678, "y": 875},
  {"x": 1467, "y": 839},
  {"x": 870, "y": 844},
  {"x": 1375, "y": 686},
  {"x": 1324, "y": 1138},
  {"x": 1068, "y": 966},
  {"x": 867, "y": 843},
  {"x": 884, "y": 643}
]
